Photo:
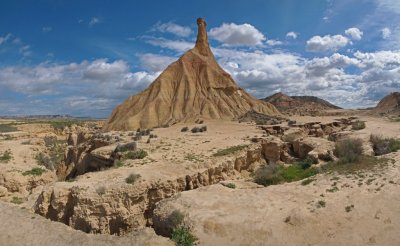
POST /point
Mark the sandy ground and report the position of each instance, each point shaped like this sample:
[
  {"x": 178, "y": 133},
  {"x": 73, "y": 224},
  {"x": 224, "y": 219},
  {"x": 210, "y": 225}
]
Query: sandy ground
[
  {"x": 286, "y": 214},
  {"x": 20, "y": 227}
]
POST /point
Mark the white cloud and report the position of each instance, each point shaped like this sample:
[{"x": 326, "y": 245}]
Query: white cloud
[
  {"x": 177, "y": 45},
  {"x": 292, "y": 35},
  {"x": 94, "y": 21},
  {"x": 386, "y": 33},
  {"x": 234, "y": 34},
  {"x": 273, "y": 42},
  {"x": 326, "y": 43},
  {"x": 154, "y": 62},
  {"x": 47, "y": 29},
  {"x": 170, "y": 27},
  {"x": 354, "y": 33}
]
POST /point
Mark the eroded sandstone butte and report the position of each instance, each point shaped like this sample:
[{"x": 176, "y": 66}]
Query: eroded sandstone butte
[{"x": 193, "y": 87}]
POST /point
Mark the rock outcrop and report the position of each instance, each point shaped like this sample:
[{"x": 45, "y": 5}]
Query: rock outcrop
[
  {"x": 193, "y": 87},
  {"x": 389, "y": 104},
  {"x": 300, "y": 105}
]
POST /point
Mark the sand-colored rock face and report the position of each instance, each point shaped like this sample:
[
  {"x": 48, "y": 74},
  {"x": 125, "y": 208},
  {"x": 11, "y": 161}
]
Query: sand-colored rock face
[
  {"x": 300, "y": 105},
  {"x": 193, "y": 87},
  {"x": 389, "y": 104}
]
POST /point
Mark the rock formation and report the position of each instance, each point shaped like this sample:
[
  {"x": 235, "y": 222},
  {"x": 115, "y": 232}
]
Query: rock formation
[
  {"x": 389, "y": 104},
  {"x": 193, "y": 87},
  {"x": 302, "y": 105}
]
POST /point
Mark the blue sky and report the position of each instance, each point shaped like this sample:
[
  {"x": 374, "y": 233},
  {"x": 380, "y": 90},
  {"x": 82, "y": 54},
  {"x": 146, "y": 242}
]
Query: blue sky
[{"x": 85, "y": 57}]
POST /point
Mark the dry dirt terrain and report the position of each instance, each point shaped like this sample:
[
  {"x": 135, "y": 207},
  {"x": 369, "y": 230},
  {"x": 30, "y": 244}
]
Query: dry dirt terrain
[{"x": 191, "y": 173}]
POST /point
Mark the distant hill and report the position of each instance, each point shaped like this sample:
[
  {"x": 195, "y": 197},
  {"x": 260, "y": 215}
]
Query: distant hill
[
  {"x": 389, "y": 104},
  {"x": 302, "y": 105}
]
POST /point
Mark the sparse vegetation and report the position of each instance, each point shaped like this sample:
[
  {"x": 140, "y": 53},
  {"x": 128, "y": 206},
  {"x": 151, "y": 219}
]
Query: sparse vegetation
[
  {"x": 192, "y": 157},
  {"x": 358, "y": 125},
  {"x": 56, "y": 153},
  {"x": 118, "y": 163},
  {"x": 273, "y": 174},
  {"x": 349, "y": 208},
  {"x": 182, "y": 236},
  {"x": 230, "y": 150},
  {"x": 383, "y": 145},
  {"x": 185, "y": 129},
  {"x": 181, "y": 232},
  {"x": 195, "y": 129},
  {"x": 321, "y": 204},
  {"x": 8, "y": 128},
  {"x": 132, "y": 178},
  {"x": 307, "y": 181},
  {"x": 231, "y": 185},
  {"x": 17, "y": 200},
  {"x": 60, "y": 125},
  {"x": 6, "y": 156},
  {"x": 133, "y": 155},
  {"x": 348, "y": 150},
  {"x": 203, "y": 129},
  {"x": 36, "y": 171},
  {"x": 27, "y": 142}
]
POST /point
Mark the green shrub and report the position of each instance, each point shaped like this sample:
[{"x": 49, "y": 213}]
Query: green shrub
[
  {"x": 305, "y": 163},
  {"x": 185, "y": 129},
  {"x": 230, "y": 150},
  {"x": 231, "y": 185},
  {"x": 383, "y": 145},
  {"x": 133, "y": 155},
  {"x": 203, "y": 128},
  {"x": 307, "y": 181},
  {"x": 17, "y": 200},
  {"x": 118, "y": 163},
  {"x": 36, "y": 171},
  {"x": 61, "y": 125},
  {"x": 8, "y": 128},
  {"x": 6, "y": 156},
  {"x": 182, "y": 236},
  {"x": 273, "y": 174},
  {"x": 358, "y": 125},
  {"x": 132, "y": 178},
  {"x": 348, "y": 150}
]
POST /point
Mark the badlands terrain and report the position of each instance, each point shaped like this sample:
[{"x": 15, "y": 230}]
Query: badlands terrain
[{"x": 194, "y": 159}]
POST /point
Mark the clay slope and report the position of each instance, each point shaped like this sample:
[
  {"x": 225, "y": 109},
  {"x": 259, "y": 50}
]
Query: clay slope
[
  {"x": 193, "y": 87},
  {"x": 302, "y": 105},
  {"x": 389, "y": 104}
]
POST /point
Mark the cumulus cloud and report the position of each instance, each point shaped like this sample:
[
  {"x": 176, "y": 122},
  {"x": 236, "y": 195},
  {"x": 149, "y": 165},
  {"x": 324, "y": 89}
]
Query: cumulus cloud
[
  {"x": 176, "y": 45},
  {"x": 99, "y": 84},
  {"x": 273, "y": 42},
  {"x": 386, "y": 33},
  {"x": 234, "y": 34},
  {"x": 170, "y": 27},
  {"x": 326, "y": 43},
  {"x": 354, "y": 33},
  {"x": 292, "y": 35},
  {"x": 154, "y": 62}
]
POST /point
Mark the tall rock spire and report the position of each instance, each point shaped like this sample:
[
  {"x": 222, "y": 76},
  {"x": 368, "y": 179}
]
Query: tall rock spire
[
  {"x": 202, "y": 39},
  {"x": 194, "y": 87}
]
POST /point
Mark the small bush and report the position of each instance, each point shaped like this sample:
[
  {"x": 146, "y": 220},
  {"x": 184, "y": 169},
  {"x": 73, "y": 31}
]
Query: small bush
[
  {"x": 305, "y": 163},
  {"x": 61, "y": 125},
  {"x": 133, "y": 155},
  {"x": 17, "y": 200},
  {"x": 358, "y": 125},
  {"x": 36, "y": 171},
  {"x": 185, "y": 129},
  {"x": 175, "y": 219},
  {"x": 203, "y": 128},
  {"x": 231, "y": 185},
  {"x": 132, "y": 178},
  {"x": 182, "y": 236},
  {"x": 195, "y": 129},
  {"x": 27, "y": 142},
  {"x": 307, "y": 181},
  {"x": 230, "y": 150},
  {"x": 273, "y": 174},
  {"x": 6, "y": 156},
  {"x": 321, "y": 204},
  {"x": 118, "y": 163},
  {"x": 8, "y": 128},
  {"x": 383, "y": 145},
  {"x": 348, "y": 150}
]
